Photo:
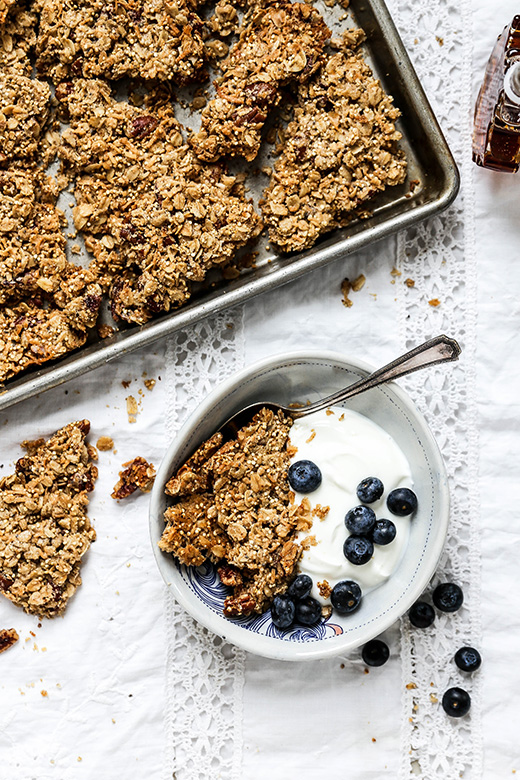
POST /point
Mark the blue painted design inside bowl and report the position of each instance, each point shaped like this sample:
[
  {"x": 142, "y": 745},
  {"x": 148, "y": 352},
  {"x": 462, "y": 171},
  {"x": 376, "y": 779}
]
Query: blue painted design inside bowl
[{"x": 206, "y": 585}]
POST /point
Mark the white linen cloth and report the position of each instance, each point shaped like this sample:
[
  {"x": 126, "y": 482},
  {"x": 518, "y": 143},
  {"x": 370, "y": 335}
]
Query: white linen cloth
[{"x": 93, "y": 694}]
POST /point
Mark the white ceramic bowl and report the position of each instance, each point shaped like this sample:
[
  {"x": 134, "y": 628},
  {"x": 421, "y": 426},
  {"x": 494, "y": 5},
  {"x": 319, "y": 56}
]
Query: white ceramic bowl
[{"x": 301, "y": 377}]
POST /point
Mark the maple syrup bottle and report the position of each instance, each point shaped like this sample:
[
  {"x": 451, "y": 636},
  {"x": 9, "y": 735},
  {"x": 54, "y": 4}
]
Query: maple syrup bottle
[{"x": 496, "y": 134}]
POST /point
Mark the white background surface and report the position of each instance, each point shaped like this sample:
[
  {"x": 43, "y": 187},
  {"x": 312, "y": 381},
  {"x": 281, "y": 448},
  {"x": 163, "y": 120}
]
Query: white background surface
[{"x": 103, "y": 664}]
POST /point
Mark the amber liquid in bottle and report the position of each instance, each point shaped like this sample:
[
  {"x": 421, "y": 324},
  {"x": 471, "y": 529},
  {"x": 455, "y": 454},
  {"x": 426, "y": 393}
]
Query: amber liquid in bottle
[{"x": 496, "y": 134}]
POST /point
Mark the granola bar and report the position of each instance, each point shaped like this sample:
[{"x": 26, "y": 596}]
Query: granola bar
[
  {"x": 44, "y": 528},
  {"x": 154, "y": 217},
  {"x": 234, "y": 506},
  {"x": 281, "y": 43},
  {"x": 145, "y": 39},
  {"x": 24, "y": 109},
  {"x": 339, "y": 151}
]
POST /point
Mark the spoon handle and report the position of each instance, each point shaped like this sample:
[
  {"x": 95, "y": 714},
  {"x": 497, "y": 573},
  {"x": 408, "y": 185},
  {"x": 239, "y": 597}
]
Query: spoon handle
[{"x": 440, "y": 349}]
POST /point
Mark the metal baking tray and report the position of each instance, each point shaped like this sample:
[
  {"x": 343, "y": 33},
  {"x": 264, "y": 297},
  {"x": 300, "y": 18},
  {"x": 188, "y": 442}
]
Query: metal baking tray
[{"x": 430, "y": 163}]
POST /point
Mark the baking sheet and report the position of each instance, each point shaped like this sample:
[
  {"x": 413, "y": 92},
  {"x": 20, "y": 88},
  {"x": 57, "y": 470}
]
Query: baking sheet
[{"x": 429, "y": 162}]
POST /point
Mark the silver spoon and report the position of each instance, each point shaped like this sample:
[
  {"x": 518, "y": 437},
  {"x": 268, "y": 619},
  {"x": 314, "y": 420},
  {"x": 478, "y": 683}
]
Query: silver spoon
[{"x": 440, "y": 349}]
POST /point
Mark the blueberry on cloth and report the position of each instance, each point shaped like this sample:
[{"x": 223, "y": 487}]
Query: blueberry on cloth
[
  {"x": 402, "y": 501},
  {"x": 304, "y": 476},
  {"x": 383, "y": 532},
  {"x": 456, "y": 702},
  {"x": 360, "y": 520},
  {"x": 468, "y": 659},
  {"x": 375, "y": 653},
  {"x": 308, "y": 611},
  {"x": 300, "y": 587},
  {"x": 421, "y": 614},
  {"x": 345, "y": 596},
  {"x": 358, "y": 549},
  {"x": 369, "y": 490},
  {"x": 282, "y": 611},
  {"x": 448, "y": 597}
]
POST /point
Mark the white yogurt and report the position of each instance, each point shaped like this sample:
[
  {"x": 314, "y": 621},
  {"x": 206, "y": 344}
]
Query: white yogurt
[{"x": 348, "y": 447}]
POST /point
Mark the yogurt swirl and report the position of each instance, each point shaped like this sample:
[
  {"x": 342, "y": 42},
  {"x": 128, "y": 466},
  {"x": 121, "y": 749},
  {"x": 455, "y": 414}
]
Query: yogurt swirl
[{"x": 348, "y": 447}]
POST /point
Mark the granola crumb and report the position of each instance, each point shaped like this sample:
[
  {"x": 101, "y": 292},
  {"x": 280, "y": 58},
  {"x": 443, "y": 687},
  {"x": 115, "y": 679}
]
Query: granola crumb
[
  {"x": 358, "y": 283},
  {"x": 434, "y": 302},
  {"x": 8, "y": 638},
  {"x": 321, "y": 511},
  {"x": 136, "y": 474},
  {"x": 324, "y": 589},
  {"x": 149, "y": 384},
  {"x": 395, "y": 272},
  {"x": 311, "y": 437},
  {"x": 132, "y": 409},
  {"x": 44, "y": 693},
  {"x": 105, "y": 443},
  {"x": 409, "y": 282}
]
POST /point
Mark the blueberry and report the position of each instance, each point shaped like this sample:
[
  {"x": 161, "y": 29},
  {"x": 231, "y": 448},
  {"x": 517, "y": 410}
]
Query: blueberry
[
  {"x": 383, "y": 532},
  {"x": 402, "y": 501},
  {"x": 370, "y": 490},
  {"x": 468, "y": 659},
  {"x": 375, "y": 653},
  {"x": 282, "y": 611},
  {"x": 300, "y": 587},
  {"x": 346, "y": 596},
  {"x": 308, "y": 611},
  {"x": 448, "y": 597},
  {"x": 456, "y": 702},
  {"x": 421, "y": 614},
  {"x": 360, "y": 520},
  {"x": 358, "y": 549},
  {"x": 304, "y": 476}
]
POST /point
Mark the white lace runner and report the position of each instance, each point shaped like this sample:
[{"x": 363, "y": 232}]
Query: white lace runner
[
  {"x": 204, "y": 674},
  {"x": 439, "y": 256}
]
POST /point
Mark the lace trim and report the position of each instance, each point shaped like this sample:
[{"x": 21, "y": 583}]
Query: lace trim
[
  {"x": 439, "y": 256},
  {"x": 205, "y": 675}
]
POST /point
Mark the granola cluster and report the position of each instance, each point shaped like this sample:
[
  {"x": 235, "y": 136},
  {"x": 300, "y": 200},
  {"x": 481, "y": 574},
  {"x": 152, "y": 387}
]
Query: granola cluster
[
  {"x": 339, "y": 151},
  {"x": 155, "y": 218},
  {"x": 47, "y": 304},
  {"x": 155, "y": 205},
  {"x": 146, "y": 39},
  {"x": 233, "y": 506},
  {"x": 44, "y": 528},
  {"x": 137, "y": 474},
  {"x": 281, "y": 43}
]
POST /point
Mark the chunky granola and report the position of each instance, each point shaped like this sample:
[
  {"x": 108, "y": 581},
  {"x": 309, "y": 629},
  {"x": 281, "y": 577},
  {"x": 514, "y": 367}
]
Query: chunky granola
[
  {"x": 8, "y": 638},
  {"x": 44, "y": 528},
  {"x": 339, "y": 151},
  {"x": 146, "y": 39},
  {"x": 233, "y": 506},
  {"x": 280, "y": 43},
  {"x": 24, "y": 109},
  {"x": 17, "y": 39},
  {"x": 137, "y": 474},
  {"x": 47, "y": 304},
  {"x": 156, "y": 219}
]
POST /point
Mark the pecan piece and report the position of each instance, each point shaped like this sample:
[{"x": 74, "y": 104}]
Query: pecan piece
[
  {"x": 8, "y": 637},
  {"x": 229, "y": 576},
  {"x": 142, "y": 126}
]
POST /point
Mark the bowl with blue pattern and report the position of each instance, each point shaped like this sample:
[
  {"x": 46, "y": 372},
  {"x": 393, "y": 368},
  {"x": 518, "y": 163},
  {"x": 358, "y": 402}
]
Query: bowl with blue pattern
[{"x": 300, "y": 377}]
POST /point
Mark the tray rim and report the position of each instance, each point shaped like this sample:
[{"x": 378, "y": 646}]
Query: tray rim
[{"x": 94, "y": 356}]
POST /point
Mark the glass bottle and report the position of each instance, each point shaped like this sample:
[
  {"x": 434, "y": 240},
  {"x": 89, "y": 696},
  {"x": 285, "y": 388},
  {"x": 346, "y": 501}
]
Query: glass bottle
[{"x": 496, "y": 133}]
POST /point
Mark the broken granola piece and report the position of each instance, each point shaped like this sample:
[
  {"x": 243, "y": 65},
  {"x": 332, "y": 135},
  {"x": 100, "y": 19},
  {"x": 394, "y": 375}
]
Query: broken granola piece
[
  {"x": 30, "y": 336},
  {"x": 24, "y": 109},
  {"x": 145, "y": 39},
  {"x": 44, "y": 528},
  {"x": 8, "y": 638},
  {"x": 105, "y": 443},
  {"x": 339, "y": 151},
  {"x": 155, "y": 219},
  {"x": 194, "y": 476},
  {"x": 191, "y": 533},
  {"x": 280, "y": 43},
  {"x": 137, "y": 474},
  {"x": 17, "y": 39}
]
